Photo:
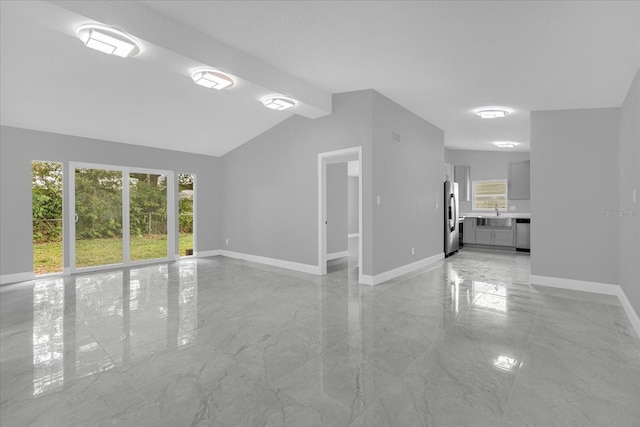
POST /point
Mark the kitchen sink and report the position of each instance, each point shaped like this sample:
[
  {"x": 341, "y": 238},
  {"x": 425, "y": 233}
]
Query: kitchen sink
[{"x": 493, "y": 222}]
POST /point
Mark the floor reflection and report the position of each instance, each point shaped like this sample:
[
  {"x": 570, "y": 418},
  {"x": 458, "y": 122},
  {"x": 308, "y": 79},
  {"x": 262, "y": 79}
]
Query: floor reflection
[
  {"x": 187, "y": 303},
  {"x": 490, "y": 296},
  {"x": 505, "y": 363},
  {"x": 91, "y": 323},
  {"x": 218, "y": 341},
  {"x": 48, "y": 336}
]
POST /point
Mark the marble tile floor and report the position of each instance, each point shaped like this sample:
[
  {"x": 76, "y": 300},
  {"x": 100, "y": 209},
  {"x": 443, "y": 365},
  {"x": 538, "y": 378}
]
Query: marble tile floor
[{"x": 222, "y": 342}]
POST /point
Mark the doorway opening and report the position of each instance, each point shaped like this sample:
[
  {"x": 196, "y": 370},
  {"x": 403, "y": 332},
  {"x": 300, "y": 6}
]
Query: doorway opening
[
  {"x": 327, "y": 208},
  {"x": 46, "y": 208}
]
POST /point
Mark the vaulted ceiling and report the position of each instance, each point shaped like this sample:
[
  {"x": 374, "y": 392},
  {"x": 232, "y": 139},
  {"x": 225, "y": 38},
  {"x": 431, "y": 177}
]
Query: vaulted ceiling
[{"x": 438, "y": 59}]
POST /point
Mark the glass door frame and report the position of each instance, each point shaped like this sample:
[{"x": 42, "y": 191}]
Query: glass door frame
[{"x": 126, "y": 232}]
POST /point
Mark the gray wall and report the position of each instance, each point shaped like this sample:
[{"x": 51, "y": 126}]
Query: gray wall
[
  {"x": 270, "y": 195},
  {"x": 353, "y": 182},
  {"x": 489, "y": 165},
  {"x": 408, "y": 179},
  {"x": 337, "y": 208},
  {"x": 629, "y": 177},
  {"x": 574, "y": 180},
  {"x": 18, "y": 147}
]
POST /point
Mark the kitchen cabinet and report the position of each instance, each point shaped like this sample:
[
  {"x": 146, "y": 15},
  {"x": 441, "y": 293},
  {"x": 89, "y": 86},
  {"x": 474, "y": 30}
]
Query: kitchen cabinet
[
  {"x": 462, "y": 175},
  {"x": 484, "y": 236},
  {"x": 448, "y": 172},
  {"x": 503, "y": 237},
  {"x": 494, "y": 236},
  {"x": 519, "y": 182},
  {"x": 469, "y": 230}
]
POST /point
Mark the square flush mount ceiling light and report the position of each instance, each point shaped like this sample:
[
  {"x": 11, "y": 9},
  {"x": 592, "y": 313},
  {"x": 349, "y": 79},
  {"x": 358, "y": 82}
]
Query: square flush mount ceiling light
[
  {"x": 279, "y": 102},
  {"x": 108, "y": 40},
  {"x": 212, "y": 78},
  {"x": 493, "y": 112},
  {"x": 506, "y": 144}
]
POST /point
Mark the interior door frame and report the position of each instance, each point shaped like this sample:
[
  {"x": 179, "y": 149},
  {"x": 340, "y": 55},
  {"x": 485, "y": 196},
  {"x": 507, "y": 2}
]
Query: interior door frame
[
  {"x": 323, "y": 160},
  {"x": 126, "y": 232}
]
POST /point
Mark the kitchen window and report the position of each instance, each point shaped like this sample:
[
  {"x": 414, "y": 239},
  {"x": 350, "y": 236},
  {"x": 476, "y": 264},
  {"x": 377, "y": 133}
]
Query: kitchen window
[{"x": 487, "y": 194}]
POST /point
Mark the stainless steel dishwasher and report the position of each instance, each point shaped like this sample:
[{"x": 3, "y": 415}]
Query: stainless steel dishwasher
[{"x": 523, "y": 234}]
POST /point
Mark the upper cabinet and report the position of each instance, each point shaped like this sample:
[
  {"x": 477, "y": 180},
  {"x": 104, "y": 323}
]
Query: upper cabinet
[
  {"x": 519, "y": 180},
  {"x": 462, "y": 175},
  {"x": 448, "y": 172}
]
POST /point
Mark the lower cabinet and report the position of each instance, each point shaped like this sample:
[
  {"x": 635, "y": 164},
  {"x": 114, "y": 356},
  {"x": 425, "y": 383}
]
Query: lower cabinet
[
  {"x": 484, "y": 236},
  {"x": 492, "y": 236},
  {"x": 503, "y": 237},
  {"x": 469, "y": 230}
]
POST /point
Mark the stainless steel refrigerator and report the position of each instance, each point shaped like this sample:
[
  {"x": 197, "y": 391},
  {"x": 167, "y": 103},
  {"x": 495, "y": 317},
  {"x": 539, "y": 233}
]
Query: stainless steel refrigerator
[{"x": 451, "y": 230}]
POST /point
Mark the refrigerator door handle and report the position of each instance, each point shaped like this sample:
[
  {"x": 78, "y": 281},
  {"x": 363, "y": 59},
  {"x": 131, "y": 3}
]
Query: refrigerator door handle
[{"x": 452, "y": 210}]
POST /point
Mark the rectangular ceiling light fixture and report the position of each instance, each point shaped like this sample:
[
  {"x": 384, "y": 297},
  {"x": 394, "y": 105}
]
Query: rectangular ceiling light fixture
[
  {"x": 491, "y": 114},
  {"x": 212, "y": 79},
  {"x": 105, "y": 43},
  {"x": 279, "y": 103}
]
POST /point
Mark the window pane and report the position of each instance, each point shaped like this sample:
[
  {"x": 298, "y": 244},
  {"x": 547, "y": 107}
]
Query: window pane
[
  {"x": 46, "y": 196},
  {"x": 489, "y": 194},
  {"x": 148, "y": 216},
  {"x": 185, "y": 212},
  {"x": 490, "y": 202},
  {"x": 491, "y": 187}
]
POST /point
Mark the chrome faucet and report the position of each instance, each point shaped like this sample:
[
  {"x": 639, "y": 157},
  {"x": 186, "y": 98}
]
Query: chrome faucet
[{"x": 497, "y": 211}]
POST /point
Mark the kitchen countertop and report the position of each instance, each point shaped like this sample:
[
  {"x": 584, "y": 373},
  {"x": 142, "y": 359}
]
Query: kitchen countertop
[{"x": 490, "y": 214}]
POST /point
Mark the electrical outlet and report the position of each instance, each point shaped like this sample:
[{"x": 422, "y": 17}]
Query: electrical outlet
[
  {"x": 437, "y": 205},
  {"x": 512, "y": 208},
  {"x": 413, "y": 251},
  {"x": 396, "y": 137},
  {"x": 378, "y": 199},
  {"x": 226, "y": 241}
]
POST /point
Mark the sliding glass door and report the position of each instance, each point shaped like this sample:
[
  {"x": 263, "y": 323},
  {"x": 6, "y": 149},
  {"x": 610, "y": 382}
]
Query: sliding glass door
[
  {"x": 98, "y": 217},
  {"x": 121, "y": 216},
  {"x": 147, "y": 216}
]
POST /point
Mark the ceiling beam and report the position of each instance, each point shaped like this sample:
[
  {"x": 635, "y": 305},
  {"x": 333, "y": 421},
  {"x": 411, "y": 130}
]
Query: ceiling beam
[{"x": 157, "y": 29}]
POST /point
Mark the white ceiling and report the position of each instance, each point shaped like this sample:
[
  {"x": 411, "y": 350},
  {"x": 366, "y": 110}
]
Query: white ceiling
[{"x": 438, "y": 59}]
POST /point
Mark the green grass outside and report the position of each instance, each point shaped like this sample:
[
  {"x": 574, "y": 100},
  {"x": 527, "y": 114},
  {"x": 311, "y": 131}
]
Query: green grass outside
[{"x": 47, "y": 257}]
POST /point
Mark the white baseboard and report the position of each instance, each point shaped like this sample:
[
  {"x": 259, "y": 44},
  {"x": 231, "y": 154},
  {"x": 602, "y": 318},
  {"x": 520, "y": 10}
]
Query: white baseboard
[
  {"x": 575, "y": 285},
  {"x": 5, "y": 279},
  {"x": 205, "y": 254},
  {"x": 353, "y": 235},
  {"x": 289, "y": 265},
  {"x": 336, "y": 255},
  {"x": 631, "y": 313},
  {"x": 397, "y": 272},
  {"x": 594, "y": 287}
]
